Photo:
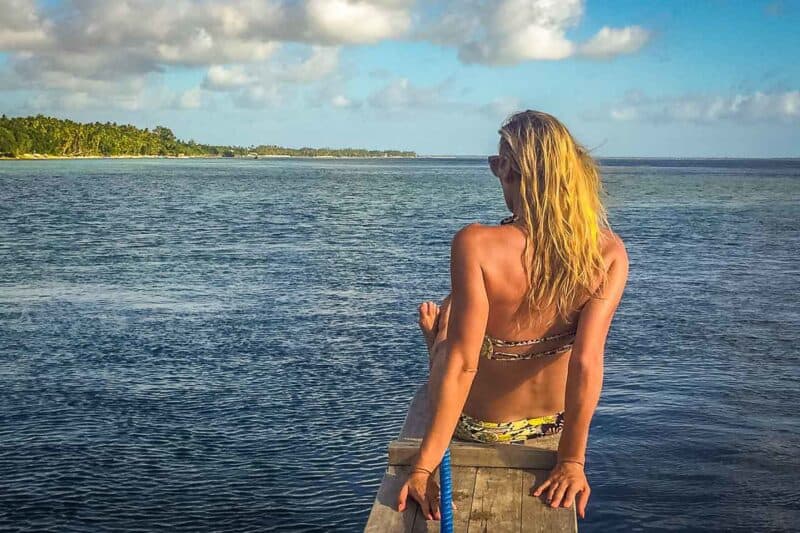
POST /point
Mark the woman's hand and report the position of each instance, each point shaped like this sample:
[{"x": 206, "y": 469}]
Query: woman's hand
[
  {"x": 566, "y": 484},
  {"x": 425, "y": 490}
]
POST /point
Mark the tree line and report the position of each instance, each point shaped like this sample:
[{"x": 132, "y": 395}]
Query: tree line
[{"x": 65, "y": 138}]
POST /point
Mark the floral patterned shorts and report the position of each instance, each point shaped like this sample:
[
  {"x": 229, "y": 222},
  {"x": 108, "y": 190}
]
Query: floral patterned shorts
[{"x": 472, "y": 429}]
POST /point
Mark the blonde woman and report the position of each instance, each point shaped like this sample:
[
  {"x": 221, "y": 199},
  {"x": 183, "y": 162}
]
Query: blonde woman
[{"x": 517, "y": 347}]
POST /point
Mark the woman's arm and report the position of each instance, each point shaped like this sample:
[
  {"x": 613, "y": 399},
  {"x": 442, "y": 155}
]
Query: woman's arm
[
  {"x": 584, "y": 382},
  {"x": 585, "y": 374},
  {"x": 469, "y": 312}
]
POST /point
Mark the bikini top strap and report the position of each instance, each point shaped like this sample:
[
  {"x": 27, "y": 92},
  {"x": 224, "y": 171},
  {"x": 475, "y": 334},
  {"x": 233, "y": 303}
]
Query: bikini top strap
[
  {"x": 500, "y": 342},
  {"x": 494, "y": 354}
]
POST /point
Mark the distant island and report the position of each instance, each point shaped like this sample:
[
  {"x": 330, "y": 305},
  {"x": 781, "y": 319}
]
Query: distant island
[{"x": 40, "y": 137}]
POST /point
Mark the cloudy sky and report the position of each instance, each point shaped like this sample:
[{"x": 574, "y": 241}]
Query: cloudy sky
[{"x": 629, "y": 78}]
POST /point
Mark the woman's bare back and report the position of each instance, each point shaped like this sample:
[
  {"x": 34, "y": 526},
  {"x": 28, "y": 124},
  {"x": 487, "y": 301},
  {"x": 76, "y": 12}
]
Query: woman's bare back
[{"x": 511, "y": 390}]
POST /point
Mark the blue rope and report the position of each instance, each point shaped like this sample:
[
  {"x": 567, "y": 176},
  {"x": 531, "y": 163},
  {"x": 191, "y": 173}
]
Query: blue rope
[{"x": 446, "y": 498}]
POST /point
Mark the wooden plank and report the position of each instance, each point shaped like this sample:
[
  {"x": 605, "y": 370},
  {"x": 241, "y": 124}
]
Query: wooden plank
[
  {"x": 488, "y": 494},
  {"x": 463, "y": 489},
  {"x": 463, "y": 492},
  {"x": 405, "y": 451},
  {"x": 384, "y": 517},
  {"x": 496, "y": 504},
  {"x": 418, "y": 415},
  {"x": 547, "y": 442},
  {"x": 537, "y": 516}
]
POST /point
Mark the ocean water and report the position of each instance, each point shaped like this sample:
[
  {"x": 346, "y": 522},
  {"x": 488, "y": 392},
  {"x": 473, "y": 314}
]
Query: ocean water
[{"x": 229, "y": 345}]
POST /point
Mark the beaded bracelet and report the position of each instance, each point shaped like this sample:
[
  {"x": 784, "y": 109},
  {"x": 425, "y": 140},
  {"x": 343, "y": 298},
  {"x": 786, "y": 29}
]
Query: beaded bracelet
[{"x": 571, "y": 461}]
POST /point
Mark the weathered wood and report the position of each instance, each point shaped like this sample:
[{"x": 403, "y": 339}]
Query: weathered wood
[
  {"x": 405, "y": 451},
  {"x": 548, "y": 442},
  {"x": 491, "y": 483},
  {"x": 463, "y": 493},
  {"x": 418, "y": 415},
  {"x": 384, "y": 516},
  {"x": 463, "y": 489},
  {"x": 497, "y": 503},
  {"x": 537, "y": 516}
]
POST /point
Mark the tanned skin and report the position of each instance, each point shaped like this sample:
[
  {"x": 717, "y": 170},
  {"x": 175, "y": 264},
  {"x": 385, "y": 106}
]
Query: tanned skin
[{"x": 487, "y": 286}]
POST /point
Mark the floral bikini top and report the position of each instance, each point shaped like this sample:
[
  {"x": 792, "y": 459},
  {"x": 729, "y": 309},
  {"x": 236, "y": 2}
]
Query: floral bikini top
[{"x": 488, "y": 348}]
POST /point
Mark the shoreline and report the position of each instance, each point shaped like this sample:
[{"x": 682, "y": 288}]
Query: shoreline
[{"x": 45, "y": 157}]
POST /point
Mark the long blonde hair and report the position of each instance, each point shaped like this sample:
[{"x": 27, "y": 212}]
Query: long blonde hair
[{"x": 562, "y": 210}]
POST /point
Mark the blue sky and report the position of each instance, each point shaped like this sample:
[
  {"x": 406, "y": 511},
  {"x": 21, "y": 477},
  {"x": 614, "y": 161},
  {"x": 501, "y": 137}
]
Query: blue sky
[{"x": 686, "y": 79}]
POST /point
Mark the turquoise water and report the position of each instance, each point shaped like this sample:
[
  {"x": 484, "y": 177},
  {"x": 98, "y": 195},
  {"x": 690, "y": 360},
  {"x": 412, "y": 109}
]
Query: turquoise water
[{"x": 217, "y": 345}]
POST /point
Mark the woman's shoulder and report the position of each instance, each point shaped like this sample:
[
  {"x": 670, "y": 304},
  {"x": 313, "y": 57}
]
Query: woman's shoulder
[
  {"x": 474, "y": 235},
  {"x": 478, "y": 229},
  {"x": 473, "y": 229},
  {"x": 472, "y": 238},
  {"x": 470, "y": 234},
  {"x": 612, "y": 243},
  {"x": 613, "y": 248}
]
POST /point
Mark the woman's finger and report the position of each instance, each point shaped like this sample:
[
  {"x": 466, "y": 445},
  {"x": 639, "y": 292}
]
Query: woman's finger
[
  {"x": 435, "y": 509},
  {"x": 551, "y": 491},
  {"x": 581, "y": 501},
  {"x": 541, "y": 487},
  {"x": 425, "y": 507},
  {"x": 569, "y": 496},
  {"x": 559, "y": 494},
  {"x": 401, "y": 498}
]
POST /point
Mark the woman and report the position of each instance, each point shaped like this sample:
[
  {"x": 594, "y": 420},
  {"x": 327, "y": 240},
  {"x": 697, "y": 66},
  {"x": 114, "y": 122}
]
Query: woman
[{"x": 517, "y": 347}]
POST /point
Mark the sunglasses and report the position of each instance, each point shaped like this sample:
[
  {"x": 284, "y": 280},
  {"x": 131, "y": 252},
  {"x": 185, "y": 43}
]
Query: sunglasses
[{"x": 494, "y": 164}]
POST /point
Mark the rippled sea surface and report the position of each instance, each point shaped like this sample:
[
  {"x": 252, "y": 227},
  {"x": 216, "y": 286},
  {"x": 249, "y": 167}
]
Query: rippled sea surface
[{"x": 229, "y": 345}]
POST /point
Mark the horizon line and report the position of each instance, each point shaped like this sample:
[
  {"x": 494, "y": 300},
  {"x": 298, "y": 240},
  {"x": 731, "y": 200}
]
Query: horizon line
[{"x": 712, "y": 157}]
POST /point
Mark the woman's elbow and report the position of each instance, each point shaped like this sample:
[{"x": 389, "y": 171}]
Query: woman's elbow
[
  {"x": 464, "y": 368},
  {"x": 589, "y": 361}
]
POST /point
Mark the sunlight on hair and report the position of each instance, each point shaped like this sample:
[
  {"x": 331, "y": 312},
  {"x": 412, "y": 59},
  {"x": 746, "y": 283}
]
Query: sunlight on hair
[{"x": 562, "y": 210}]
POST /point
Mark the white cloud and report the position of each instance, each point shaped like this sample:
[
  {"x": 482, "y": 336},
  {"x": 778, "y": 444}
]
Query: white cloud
[
  {"x": 357, "y": 21},
  {"x": 135, "y": 95},
  {"x": 506, "y": 32},
  {"x": 341, "y": 101},
  {"x": 501, "y": 107},
  {"x": 260, "y": 96},
  {"x": 200, "y": 31},
  {"x": 79, "y": 43},
  {"x": 143, "y": 35},
  {"x": 610, "y": 42},
  {"x": 265, "y": 85},
  {"x": 202, "y": 48},
  {"x": 755, "y": 107},
  {"x": 107, "y": 51},
  {"x": 321, "y": 62},
  {"x": 403, "y": 94},
  {"x": 220, "y": 77},
  {"x": 21, "y": 27},
  {"x": 191, "y": 99}
]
